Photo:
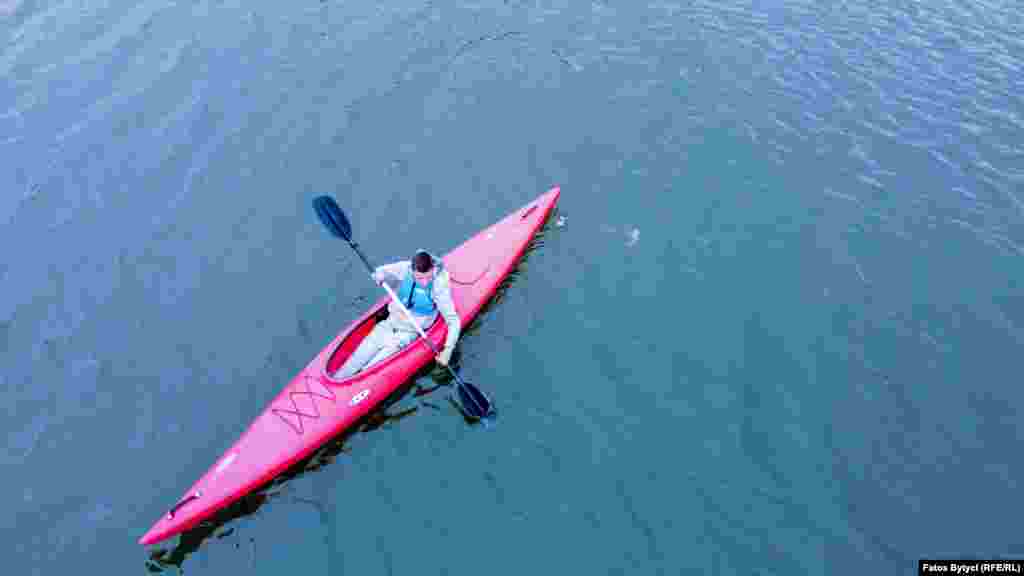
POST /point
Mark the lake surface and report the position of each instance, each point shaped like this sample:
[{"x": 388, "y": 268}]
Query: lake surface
[{"x": 774, "y": 327}]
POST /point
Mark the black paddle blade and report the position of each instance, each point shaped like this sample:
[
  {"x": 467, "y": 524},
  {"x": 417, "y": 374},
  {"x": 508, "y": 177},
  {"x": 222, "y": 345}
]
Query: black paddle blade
[
  {"x": 328, "y": 211},
  {"x": 473, "y": 401}
]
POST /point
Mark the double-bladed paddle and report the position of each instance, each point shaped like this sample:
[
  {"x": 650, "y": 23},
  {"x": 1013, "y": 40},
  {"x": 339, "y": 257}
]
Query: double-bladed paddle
[{"x": 474, "y": 402}]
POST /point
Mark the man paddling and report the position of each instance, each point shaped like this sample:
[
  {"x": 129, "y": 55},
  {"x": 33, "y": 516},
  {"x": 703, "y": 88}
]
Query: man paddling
[{"x": 425, "y": 290}]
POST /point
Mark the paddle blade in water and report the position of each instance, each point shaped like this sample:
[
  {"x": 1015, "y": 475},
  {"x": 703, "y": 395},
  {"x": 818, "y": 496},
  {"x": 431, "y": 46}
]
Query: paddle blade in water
[
  {"x": 474, "y": 402},
  {"x": 328, "y": 211}
]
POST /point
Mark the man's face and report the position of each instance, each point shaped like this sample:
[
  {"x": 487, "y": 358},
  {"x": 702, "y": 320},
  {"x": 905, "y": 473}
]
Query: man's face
[{"x": 423, "y": 278}]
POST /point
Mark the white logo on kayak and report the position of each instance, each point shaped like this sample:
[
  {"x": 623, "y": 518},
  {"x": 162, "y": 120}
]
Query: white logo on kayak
[
  {"x": 359, "y": 397},
  {"x": 226, "y": 462}
]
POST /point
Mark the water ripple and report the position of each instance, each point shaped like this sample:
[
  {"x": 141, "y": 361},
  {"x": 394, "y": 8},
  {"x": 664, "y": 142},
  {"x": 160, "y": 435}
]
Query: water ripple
[
  {"x": 891, "y": 81},
  {"x": 900, "y": 122}
]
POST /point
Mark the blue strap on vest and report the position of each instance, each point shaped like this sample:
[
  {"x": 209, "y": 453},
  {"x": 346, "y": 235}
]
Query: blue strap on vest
[{"x": 417, "y": 299}]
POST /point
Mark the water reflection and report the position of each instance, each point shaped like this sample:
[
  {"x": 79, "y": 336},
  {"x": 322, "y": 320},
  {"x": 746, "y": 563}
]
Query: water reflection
[
  {"x": 518, "y": 271},
  {"x": 162, "y": 559},
  {"x": 441, "y": 377},
  {"x": 422, "y": 386}
]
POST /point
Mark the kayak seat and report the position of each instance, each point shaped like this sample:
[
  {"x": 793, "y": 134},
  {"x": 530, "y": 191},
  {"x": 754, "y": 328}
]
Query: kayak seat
[
  {"x": 350, "y": 343},
  {"x": 352, "y": 340}
]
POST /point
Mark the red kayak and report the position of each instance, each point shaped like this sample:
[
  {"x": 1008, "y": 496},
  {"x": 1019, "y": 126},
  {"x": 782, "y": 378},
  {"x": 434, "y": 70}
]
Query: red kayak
[{"x": 314, "y": 407}]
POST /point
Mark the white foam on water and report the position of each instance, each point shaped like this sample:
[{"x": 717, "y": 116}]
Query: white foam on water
[{"x": 634, "y": 237}]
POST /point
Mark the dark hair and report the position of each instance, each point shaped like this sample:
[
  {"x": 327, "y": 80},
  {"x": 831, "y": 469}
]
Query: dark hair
[{"x": 422, "y": 262}]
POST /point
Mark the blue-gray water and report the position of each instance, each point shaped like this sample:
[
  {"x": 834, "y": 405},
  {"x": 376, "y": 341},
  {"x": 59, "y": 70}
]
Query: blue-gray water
[{"x": 778, "y": 331}]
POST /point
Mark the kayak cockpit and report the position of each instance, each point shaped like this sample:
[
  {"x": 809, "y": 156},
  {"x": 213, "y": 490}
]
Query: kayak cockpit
[{"x": 351, "y": 341}]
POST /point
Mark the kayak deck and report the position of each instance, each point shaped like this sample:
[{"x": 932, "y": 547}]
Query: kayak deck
[{"x": 314, "y": 407}]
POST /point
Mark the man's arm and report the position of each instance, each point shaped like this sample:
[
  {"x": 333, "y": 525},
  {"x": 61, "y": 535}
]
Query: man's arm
[
  {"x": 395, "y": 271},
  {"x": 446, "y": 306}
]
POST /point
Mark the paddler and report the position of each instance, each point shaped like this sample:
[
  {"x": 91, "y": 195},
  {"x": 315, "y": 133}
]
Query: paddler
[{"x": 424, "y": 287}]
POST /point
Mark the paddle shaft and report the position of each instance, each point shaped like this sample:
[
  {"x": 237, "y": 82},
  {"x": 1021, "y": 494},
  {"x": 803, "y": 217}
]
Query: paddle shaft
[
  {"x": 369, "y": 267},
  {"x": 408, "y": 315}
]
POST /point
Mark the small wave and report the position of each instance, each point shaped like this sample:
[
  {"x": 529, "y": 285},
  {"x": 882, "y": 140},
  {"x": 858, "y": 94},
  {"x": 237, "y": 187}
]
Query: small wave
[
  {"x": 634, "y": 237},
  {"x": 841, "y": 196},
  {"x": 870, "y": 181},
  {"x": 965, "y": 192}
]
